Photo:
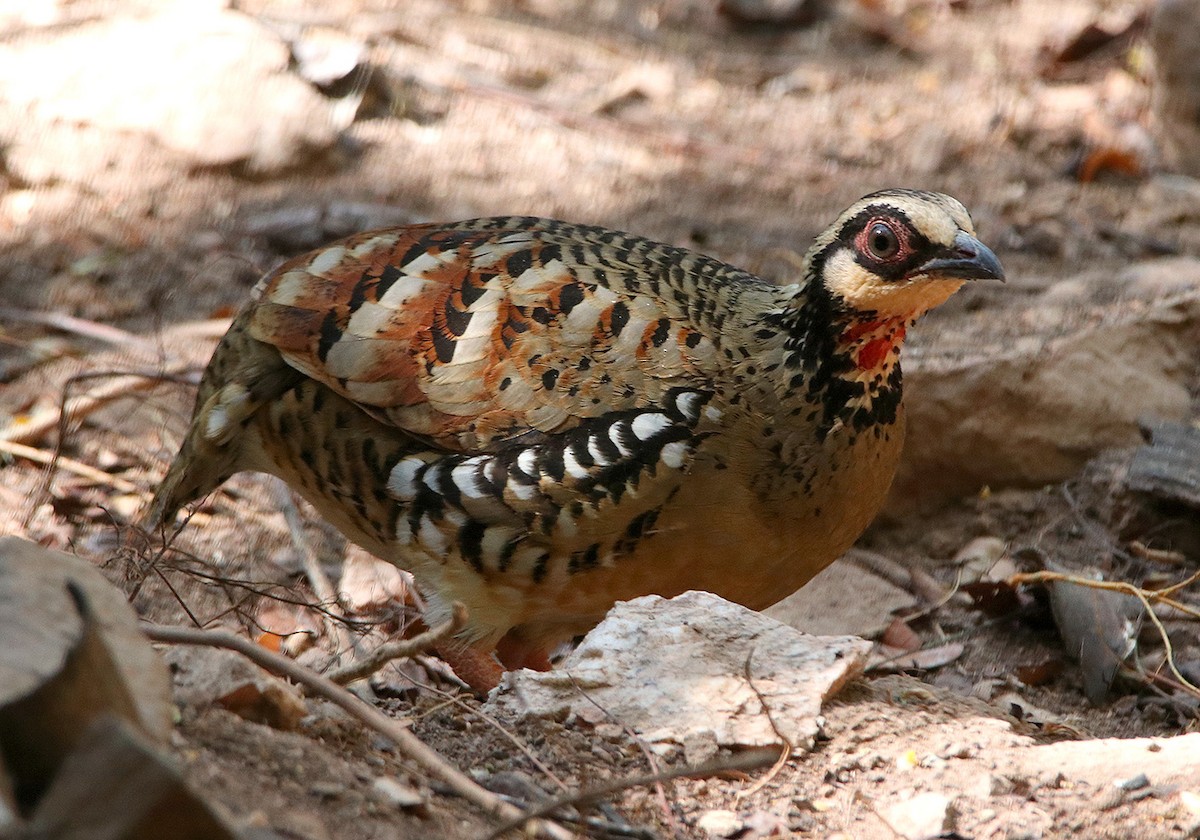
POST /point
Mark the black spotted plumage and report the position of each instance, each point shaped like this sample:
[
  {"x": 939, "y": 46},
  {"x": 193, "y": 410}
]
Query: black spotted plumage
[{"x": 539, "y": 418}]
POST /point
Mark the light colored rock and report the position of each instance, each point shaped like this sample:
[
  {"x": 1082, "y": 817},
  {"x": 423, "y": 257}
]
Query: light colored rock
[
  {"x": 1105, "y": 761},
  {"x": 396, "y": 794},
  {"x": 720, "y": 823},
  {"x": 210, "y": 83},
  {"x": 844, "y": 599},
  {"x": 368, "y": 583},
  {"x": 922, "y": 816},
  {"x": 669, "y": 669}
]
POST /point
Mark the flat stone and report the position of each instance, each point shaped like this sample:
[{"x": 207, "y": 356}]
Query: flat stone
[{"x": 693, "y": 669}]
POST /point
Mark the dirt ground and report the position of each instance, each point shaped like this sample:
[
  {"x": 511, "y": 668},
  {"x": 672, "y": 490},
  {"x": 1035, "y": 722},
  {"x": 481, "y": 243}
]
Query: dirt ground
[{"x": 665, "y": 118}]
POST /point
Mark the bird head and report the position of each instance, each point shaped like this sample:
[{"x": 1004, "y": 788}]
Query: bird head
[{"x": 900, "y": 253}]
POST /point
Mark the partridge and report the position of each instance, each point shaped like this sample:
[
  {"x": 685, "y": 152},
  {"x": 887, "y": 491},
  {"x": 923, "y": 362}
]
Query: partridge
[{"x": 539, "y": 418}]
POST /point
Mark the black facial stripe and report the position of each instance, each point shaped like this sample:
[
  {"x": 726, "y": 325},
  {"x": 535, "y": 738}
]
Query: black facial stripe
[{"x": 919, "y": 247}]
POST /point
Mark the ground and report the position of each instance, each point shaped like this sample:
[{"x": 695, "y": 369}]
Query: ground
[{"x": 670, "y": 119}]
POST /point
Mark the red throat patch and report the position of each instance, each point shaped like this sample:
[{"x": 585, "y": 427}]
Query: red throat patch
[{"x": 874, "y": 352}]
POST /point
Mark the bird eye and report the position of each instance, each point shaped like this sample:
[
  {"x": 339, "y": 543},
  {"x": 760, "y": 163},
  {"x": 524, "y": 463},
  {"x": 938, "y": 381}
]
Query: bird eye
[{"x": 882, "y": 241}]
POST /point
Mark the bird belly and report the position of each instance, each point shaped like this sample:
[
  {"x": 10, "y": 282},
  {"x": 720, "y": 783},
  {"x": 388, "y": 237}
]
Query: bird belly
[{"x": 719, "y": 535}]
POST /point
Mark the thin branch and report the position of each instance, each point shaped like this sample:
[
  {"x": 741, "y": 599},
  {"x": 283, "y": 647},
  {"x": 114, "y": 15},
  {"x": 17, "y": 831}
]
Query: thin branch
[
  {"x": 78, "y": 326},
  {"x": 53, "y": 460},
  {"x": 322, "y": 586},
  {"x": 786, "y": 750},
  {"x": 400, "y": 649},
  {"x": 651, "y": 760},
  {"x": 398, "y": 733},
  {"x": 753, "y": 760},
  {"x": 33, "y": 428}
]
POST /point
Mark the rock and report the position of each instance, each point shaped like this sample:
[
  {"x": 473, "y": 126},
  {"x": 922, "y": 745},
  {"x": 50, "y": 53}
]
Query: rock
[
  {"x": 922, "y": 816},
  {"x": 395, "y": 794},
  {"x": 669, "y": 669},
  {"x": 720, "y": 823},
  {"x": 1107, "y": 761},
  {"x": 1175, "y": 39},
  {"x": 211, "y": 676},
  {"x": 844, "y": 599},
  {"x": 116, "y": 785},
  {"x": 1033, "y": 409},
  {"x": 72, "y": 653},
  {"x": 209, "y": 83}
]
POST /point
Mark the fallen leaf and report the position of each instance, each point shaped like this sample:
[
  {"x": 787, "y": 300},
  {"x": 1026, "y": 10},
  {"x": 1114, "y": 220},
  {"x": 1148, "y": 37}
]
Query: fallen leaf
[
  {"x": 1040, "y": 674},
  {"x": 1099, "y": 629},
  {"x": 899, "y": 635},
  {"x": 920, "y": 660}
]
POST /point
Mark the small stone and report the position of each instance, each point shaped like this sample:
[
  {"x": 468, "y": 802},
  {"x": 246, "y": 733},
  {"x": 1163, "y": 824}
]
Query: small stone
[
  {"x": 700, "y": 746},
  {"x": 924, "y": 815},
  {"x": 1133, "y": 783},
  {"x": 327, "y": 789},
  {"x": 956, "y": 750},
  {"x": 394, "y": 793},
  {"x": 720, "y": 823}
]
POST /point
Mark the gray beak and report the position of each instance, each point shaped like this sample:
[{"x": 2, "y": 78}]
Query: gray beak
[{"x": 966, "y": 259}]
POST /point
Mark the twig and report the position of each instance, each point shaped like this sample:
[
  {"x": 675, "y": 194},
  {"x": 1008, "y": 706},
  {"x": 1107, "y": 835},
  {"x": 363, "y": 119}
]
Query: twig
[
  {"x": 495, "y": 724},
  {"x": 322, "y": 586},
  {"x": 405, "y": 741},
  {"x": 746, "y": 761},
  {"x": 78, "y": 326},
  {"x": 784, "y": 753},
  {"x": 651, "y": 760},
  {"x": 51, "y": 459},
  {"x": 400, "y": 649},
  {"x": 31, "y": 429}
]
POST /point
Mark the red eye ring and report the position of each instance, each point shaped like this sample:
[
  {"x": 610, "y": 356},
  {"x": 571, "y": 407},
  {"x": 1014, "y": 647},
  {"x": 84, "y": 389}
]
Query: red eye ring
[{"x": 881, "y": 240}]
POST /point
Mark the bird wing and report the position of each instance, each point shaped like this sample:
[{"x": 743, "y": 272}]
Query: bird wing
[{"x": 476, "y": 333}]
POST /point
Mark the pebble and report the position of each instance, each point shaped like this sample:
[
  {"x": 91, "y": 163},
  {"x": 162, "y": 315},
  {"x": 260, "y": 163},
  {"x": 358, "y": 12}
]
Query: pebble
[
  {"x": 720, "y": 823},
  {"x": 392, "y": 792},
  {"x": 924, "y": 815}
]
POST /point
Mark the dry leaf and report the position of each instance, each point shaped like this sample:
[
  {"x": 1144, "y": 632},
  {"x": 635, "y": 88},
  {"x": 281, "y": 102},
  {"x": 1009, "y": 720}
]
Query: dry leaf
[{"x": 899, "y": 635}]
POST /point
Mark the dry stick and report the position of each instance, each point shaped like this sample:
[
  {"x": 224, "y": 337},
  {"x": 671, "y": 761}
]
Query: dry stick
[
  {"x": 78, "y": 326},
  {"x": 30, "y": 429},
  {"x": 79, "y": 468},
  {"x": 1143, "y": 595},
  {"x": 495, "y": 724},
  {"x": 400, "y": 649},
  {"x": 753, "y": 760},
  {"x": 641, "y": 745},
  {"x": 322, "y": 586},
  {"x": 786, "y": 750},
  {"x": 398, "y": 733}
]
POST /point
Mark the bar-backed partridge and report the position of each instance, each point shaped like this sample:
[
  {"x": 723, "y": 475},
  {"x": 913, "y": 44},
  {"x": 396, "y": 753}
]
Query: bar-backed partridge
[{"x": 539, "y": 419}]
